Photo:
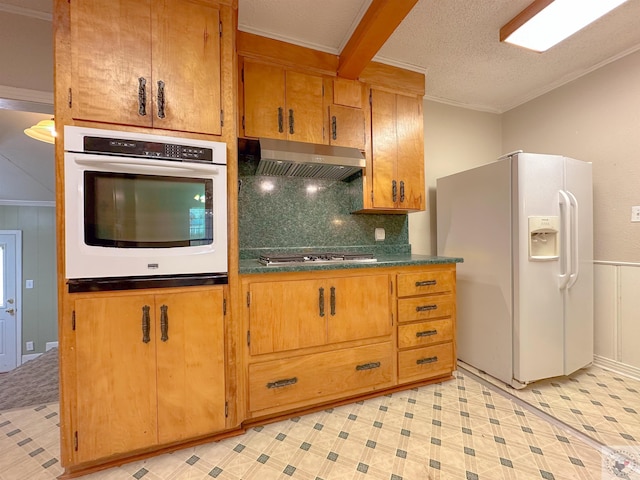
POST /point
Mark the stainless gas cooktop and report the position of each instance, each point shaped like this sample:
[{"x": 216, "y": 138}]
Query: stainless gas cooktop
[{"x": 315, "y": 258}]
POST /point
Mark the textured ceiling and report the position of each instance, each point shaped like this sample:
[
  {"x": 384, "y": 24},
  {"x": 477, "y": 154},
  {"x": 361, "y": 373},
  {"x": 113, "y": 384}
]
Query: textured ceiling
[{"x": 455, "y": 43}]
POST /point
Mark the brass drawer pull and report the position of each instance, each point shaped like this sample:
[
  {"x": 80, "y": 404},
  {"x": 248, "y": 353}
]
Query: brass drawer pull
[
  {"x": 426, "y": 308},
  {"x": 368, "y": 366},
  {"x": 426, "y": 283},
  {"x": 142, "y": 96},
  {"x": 280, "y": 120},
  {"x": 333, "y": 301},
  {"x": 426, "y": 333},
  {"x": 146, "y": 324},
  {"x": 321, "y": 301},
  {"x": 164, "y": 323},
  {"x": 422, "y": 361},
  {"x": 283, "y": 383}
]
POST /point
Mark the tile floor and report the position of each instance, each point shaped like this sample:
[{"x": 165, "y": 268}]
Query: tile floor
[{"x": 465, "y": 428}]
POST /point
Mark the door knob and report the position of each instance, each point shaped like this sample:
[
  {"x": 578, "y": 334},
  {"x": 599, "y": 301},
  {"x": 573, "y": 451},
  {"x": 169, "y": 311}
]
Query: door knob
[{"x": 11, "y": 311}]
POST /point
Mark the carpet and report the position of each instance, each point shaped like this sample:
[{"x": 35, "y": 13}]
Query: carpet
[{"x": 32, "y": 383}]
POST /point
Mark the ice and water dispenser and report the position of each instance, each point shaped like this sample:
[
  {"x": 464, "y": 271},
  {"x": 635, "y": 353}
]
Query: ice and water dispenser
[{"x": 544, "y": 241}]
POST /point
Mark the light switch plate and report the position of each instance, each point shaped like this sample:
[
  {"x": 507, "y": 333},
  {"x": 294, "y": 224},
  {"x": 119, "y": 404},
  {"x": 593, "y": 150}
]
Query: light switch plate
[
  {"x": 635, "y": 213},
  {"x": 379, "y": 234}
]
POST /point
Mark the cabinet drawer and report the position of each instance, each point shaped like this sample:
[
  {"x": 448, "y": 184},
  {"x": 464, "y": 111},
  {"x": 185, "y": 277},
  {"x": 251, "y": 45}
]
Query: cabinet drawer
[
  {"x": 425, "y": 333},
  {"x": 422, "y": 283},
  {"x": 309, "y": 379},
  {"x": 426, "y": 362},
  {"x": 423, "y": 308}
]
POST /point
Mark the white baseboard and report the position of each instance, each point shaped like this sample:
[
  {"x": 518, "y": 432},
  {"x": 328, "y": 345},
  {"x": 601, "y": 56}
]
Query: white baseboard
[
  {"x": 31, "y": 356},
  {"x": 49, "y": 345},
  {"x": 621, "y": 368}
]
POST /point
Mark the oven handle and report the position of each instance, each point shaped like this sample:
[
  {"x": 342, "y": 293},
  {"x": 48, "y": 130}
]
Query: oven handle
[{"x": 135, "y": 166}]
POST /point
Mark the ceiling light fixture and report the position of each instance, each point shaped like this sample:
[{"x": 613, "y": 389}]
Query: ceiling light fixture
[
  {"x": 545, "y": 23},
  {"x": 44, "y": 131}
]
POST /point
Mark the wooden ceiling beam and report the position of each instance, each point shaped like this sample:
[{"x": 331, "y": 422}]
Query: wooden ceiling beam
[{"x": 376, "y": 26}]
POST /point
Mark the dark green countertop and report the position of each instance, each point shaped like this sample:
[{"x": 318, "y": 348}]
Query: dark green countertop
[{"x": 252, "y": 265}]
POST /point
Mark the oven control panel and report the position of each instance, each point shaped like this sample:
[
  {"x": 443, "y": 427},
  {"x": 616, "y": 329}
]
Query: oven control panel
[{"x": 142, "y": 148}]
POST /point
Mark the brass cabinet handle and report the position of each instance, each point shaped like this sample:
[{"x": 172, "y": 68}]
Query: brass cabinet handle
[
  {"x": 426, "y": 283},
  {"x": 426, "y": 308},
  {"x": 401, "y": 191},
  {"x": 426, "y": 333},
  {"x": 368, "y": 366},
  {"x": 164, "y": 323},
  {"x": 142, "y": 96},
  {"x": 394, "y": 190},
  {"x": 161, "y": 99},
  {"x": 333, "y": 301},
  {"x": 280, "y": 120},
  {"x": 283, "y": 383},
  {"x": 146, "y": 324},
  {"x": 422, "y": 361},
  {"x": 291, "y": 121},
  {"x": 334, "y": 127},
  {"x": 321, "y": 301}
]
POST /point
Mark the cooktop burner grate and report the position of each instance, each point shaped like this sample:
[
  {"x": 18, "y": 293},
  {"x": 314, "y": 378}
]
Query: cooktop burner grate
[{"x": 314, "y": 257}]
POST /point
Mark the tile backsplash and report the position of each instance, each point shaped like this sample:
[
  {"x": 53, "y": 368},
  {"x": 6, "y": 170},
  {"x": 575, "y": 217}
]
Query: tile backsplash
[{"x": 282, "y": 213}]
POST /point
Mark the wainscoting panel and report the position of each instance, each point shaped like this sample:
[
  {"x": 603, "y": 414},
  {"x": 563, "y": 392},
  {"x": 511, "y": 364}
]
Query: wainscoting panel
[{"x": 617, "y": 317}]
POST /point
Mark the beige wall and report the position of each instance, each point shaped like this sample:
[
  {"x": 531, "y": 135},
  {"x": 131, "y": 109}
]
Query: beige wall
[
  {"x": 39, "y": 304},
  {"x": 455, "y": 139},
  {"x": 26, "y": 55},
  {"x": 595, "y": 118}
]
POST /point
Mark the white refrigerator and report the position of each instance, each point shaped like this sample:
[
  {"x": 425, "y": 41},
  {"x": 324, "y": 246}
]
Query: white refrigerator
[{"x": 523, "y": 225}]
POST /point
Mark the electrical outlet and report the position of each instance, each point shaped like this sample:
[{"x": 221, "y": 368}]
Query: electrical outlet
[
  {"x": 635, "y": 214},
  {"x": 29, "y": 346},
  {"x": 379, "y": 234}
]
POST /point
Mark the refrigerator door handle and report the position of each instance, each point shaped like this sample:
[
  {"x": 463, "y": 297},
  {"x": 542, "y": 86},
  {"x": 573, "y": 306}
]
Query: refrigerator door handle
[
  {"x": 573, "y": 277},
  {"x": 565, "y": 239}
]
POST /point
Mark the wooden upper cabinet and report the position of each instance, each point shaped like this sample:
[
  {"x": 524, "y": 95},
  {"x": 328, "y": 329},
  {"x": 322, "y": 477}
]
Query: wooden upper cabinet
[
  {"x": 397, "y": 151},
  {"x": 282, "y": 104},
  {"x": 147, "y": 63}
]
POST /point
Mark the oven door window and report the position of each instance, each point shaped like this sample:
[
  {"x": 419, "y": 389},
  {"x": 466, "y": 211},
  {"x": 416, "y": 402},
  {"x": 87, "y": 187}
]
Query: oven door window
[{"x": 147, "y": 211}]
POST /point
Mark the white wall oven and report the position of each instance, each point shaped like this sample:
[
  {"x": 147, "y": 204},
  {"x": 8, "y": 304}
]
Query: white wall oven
[{"x": 143, "y": 210}]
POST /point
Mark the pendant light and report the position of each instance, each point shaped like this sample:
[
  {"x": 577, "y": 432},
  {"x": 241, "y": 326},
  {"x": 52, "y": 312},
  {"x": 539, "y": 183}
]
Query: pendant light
[{"x": 44, "y": 131}]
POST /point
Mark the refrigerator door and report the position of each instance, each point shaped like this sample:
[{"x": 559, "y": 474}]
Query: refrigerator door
[
  {"x": 538, "y": 325},
  {"x": 578, "y": 296},
  {"x": 474, "y": 222}
]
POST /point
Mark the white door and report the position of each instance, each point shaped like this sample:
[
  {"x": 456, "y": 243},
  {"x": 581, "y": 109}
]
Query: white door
[
  {"x": 9, "y": 314},
  {"x": 579, "y": 293}
]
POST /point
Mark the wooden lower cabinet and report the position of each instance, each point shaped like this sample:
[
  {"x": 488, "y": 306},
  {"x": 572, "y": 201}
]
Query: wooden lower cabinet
[
  {"x": 317, "y": 337},
  {"x": 315, "y": 378},
  {"x": 149, "y": 369},
  {"x": 426, "y": 323}
]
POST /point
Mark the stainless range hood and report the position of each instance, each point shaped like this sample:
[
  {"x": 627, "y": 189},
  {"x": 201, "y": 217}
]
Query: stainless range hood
[{"x": 297, "y": 159}]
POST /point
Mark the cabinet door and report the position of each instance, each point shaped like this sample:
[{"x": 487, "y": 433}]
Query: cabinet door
[
  {"x": 397, "y": 151},
  {"x": 384, "y": 148},
  {"x": 116, "y": 376},
  {"x": 186, "y": 63},
  {"x": 410, "y": 165},
  {"x": 287, "y": 315},
  {"x": 111, "y": 60},
  {"x": 346, "y": 127},
  {"x": 264, "y": 107},
  {"x": 191, "y": 383},
  {"x": 304, "y": 107},
  {"x": 359, "y": 308}
]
